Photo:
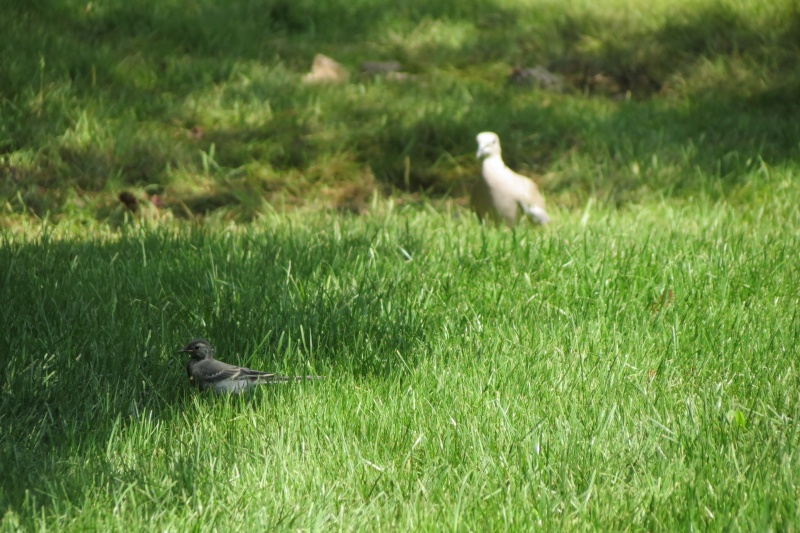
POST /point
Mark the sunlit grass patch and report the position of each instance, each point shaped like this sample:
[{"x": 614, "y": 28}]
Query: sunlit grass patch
[{"x": 614, "y": 370}]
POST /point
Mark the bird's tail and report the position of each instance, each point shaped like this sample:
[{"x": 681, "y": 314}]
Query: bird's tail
[
  {"x": 307, "y": 378},
  {"x": 287, "y": 379},
  {"x": 537, "y": 213}
]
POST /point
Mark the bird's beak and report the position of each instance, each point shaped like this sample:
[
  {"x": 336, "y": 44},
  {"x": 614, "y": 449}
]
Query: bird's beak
[
  {"x": 480, "y": 152},
  {"x": 184, "y": 350}
]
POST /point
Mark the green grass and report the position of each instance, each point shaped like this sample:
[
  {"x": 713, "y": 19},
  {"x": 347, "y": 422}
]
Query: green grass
[
  {"x": 632, "y": 369},
  {"x": 203, "y": 105},
  {"x": 633, "y": 366}
]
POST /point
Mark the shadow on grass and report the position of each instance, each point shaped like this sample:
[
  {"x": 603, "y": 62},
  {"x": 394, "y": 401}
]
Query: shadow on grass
[
  {"x": 599, "y": 55},
  {"x": 91, "y": 331}
]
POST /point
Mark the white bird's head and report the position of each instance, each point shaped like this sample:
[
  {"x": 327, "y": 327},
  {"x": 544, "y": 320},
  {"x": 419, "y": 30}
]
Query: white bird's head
[{"x": 488, "y": 144}]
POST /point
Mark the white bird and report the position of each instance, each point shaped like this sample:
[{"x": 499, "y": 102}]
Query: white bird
[{"x": 501, "y": 192}]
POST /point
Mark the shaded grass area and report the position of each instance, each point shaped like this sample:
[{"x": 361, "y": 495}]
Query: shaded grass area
[
  {"x": 632, "y": 368},
  {"x": 202, "y": 106}
]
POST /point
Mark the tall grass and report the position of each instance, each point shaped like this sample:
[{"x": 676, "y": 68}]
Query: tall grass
[{"x": 624, "y": 369}]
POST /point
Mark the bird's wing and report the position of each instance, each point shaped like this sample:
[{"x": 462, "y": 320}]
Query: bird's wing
[
  {"x": 481, "y": 199},
  {"x": 530, "y": 199},
  {"x": 214, "y": 371},
  {"x": 503, "y": 190}
]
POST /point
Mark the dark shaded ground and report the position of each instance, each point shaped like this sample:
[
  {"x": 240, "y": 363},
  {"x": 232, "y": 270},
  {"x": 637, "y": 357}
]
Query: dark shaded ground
[{"x": 79, "y": 355}]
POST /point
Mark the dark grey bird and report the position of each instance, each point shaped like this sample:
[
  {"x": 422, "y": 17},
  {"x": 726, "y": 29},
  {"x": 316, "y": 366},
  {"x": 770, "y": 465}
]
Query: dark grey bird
[{"x": 207, "y": 373}]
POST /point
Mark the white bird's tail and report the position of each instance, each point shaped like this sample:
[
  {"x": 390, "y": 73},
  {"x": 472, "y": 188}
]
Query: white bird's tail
[{"x": 537, "y": 213}]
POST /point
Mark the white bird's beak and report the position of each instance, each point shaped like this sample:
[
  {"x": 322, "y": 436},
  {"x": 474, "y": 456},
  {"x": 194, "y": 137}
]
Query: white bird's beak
[{"x": 480, "y": 152}]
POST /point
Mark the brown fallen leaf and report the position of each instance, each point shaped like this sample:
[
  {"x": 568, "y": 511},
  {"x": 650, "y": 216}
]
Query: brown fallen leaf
[
  {"x": 664, "y": 300},
  {"x": 196, "y": 133},
  {"x": 130, "y": 202}
]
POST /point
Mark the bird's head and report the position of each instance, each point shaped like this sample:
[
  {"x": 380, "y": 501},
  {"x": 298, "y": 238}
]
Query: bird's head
[
  {"x": 198, "y": 349},
  {"x": 488, "y": 144}
]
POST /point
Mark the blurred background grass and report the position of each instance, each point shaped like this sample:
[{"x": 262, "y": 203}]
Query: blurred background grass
[{"x": 199, "y": 107}]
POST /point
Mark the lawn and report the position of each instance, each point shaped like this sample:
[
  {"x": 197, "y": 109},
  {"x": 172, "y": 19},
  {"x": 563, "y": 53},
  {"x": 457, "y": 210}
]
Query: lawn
[
  {"x": 632, "y": 366},
  {"x": 619, "y": 370}
]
